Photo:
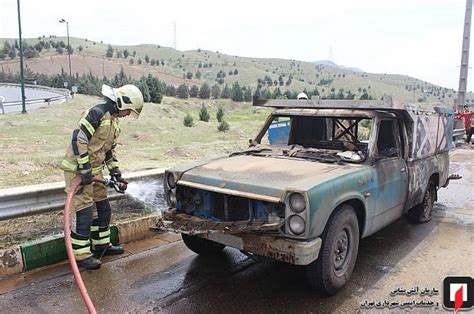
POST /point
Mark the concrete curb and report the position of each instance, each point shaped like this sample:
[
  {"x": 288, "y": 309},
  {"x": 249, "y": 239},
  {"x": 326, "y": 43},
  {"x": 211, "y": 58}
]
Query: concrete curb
[{"x": 47, "y": 251}]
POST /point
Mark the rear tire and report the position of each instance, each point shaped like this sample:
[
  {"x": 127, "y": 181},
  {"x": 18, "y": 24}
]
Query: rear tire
[
  {"x": 338, "y": 254},
  {"x": 202, "y": 246},
  {"x": 422, "y": 212}
]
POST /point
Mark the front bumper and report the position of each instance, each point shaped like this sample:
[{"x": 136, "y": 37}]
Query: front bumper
[
  {"x": 280, "y": 249},
  {"x": 255, "y": 237}
]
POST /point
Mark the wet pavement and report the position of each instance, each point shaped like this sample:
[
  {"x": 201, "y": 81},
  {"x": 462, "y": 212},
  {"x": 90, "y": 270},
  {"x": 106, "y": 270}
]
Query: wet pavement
[{"x": 162, "y": 275}]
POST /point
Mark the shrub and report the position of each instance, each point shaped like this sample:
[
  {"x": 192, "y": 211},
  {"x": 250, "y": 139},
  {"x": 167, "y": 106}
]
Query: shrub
[
  {"x": 188, "y": 120},
  {"x": 223, "y": 126},
  {"x": 220, "y": 114},
  {"x": 204, "y": 114}
]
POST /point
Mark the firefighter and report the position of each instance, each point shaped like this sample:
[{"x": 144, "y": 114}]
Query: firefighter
[{"x": 92, "y": 149}]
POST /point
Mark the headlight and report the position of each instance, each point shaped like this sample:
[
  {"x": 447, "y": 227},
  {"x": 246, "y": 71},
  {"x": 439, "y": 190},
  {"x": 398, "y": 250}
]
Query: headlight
[
  {"x": 171, "y": 198},
  {"x": 297, "y": 202},
  {"x": 170, "y": 180},
  {"x": 296, "y": 224}
]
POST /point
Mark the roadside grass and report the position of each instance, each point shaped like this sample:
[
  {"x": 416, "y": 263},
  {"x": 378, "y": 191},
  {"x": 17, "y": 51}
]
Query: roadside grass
[{"x": 32, "y": 145}]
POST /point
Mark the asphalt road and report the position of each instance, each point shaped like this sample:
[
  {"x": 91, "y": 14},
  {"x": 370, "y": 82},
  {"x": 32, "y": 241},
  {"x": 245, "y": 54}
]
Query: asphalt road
[
  {"x": 161, "y": 275},
  {"x": 10, "y": 93}
]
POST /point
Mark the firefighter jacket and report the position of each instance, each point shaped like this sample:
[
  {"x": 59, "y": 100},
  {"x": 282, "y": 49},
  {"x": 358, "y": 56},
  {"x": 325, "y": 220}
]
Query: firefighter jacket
[{"x": 93, "y": 143}]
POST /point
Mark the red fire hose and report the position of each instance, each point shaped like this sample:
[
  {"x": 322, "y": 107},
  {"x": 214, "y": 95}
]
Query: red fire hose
[
  {"x": 120, "y": 187},
  {"x": 67, "y": 239}
]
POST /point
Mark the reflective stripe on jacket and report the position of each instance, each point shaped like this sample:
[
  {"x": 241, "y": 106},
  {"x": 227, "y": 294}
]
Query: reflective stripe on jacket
[{"x": 94, "y": 141}]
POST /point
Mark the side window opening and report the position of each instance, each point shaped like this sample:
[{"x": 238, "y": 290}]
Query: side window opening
[{"x": 387, "y": 143}]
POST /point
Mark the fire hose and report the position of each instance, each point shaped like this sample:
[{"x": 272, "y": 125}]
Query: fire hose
[{"x": 120, "y": 187}]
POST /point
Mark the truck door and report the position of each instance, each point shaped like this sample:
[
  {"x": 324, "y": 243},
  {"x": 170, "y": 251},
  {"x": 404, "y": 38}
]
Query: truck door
[{"x": 391, "y": 174}]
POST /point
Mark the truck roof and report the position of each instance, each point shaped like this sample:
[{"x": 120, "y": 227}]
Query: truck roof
[{"x": 386, "y": 104}]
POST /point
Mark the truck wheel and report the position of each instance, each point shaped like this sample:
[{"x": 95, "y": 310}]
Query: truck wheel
[
  {"x": 338, "y": 254},
  {"x": 422, "y": 212},
  {"x": 202, "y": 246}
]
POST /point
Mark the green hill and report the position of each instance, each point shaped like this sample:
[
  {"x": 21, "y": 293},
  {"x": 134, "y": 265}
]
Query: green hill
[{"x": 172, "y": 66}]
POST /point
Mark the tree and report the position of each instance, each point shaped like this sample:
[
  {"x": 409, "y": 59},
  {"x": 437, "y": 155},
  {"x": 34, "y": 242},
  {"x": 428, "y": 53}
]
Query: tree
[
  {"x": 58, "y": 50},
  {"x": 194, "y": 91},
  {"x": 248, "y": 94},
  {"x": 204, "y": 114},
  {"x": 223, "y": 126},
  {"x": 364, "y": 96},
  {"x": 198, "y": 75},
  {"x": 220, "y": 114},
  {"x": 119, "y": 54},
  {"x": 147, "y": 59},
  {"x": 152, "y": 62},
  {"x": 189, "y": 75},
  {"x": 170, "y": 91},
  {"x": 215, "y": 91},
  {"x": 237, "y": 94},
  {"x": 131, "y": 61},
  {"x": 226, "y": 92},
  {"x": 188, "y": 120},
  {"x": 139, "y": 61},
  {"x": 126, "y": 53},
  {"x": 80, "y": 48},
  {"x": 204, "y": 91},
  {"x": 236, "y": 72},
  {"x": 182, "y": 91},
  {"x": 110, "y": 52}
]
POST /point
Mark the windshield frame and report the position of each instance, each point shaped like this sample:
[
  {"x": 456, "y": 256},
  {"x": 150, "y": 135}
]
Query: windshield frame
[{"x": 327, "y": 113}]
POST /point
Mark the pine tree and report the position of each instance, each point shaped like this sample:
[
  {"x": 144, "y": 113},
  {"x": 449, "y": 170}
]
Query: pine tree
[
  {"x": 223, "y": 126},
  {"x": 226, "y": 92},
  {"x": 182, "y": 91},
  {"x": 204, "y": 114},
  {"x": 110, "y": 52},
  {"x": 237, "y": 94},
  {"x": 220, "y": 114},
  {"x": 215, "y": 91},
  {"x": 194, "y": 91},
  {"x": 204, "y": 91},
  {"x": 188, "y": 120}
]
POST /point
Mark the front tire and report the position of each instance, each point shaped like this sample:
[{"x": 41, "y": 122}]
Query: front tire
[
  {"x": 202, "y": 246},
  {"x": 338, "y": 254}
]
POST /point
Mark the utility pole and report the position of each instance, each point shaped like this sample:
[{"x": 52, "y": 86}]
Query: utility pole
[
  {"x": 22, "y": 78},
  {"x": 68, "y": 51},
  {"x": 464, "y": 57},
  {"x": 174, "y": 35}
]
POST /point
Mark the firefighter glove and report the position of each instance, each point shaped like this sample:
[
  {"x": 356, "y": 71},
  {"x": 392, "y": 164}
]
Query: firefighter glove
[
  {"x": 86, "y": 178},
  {"x": 116, "y": 174}
]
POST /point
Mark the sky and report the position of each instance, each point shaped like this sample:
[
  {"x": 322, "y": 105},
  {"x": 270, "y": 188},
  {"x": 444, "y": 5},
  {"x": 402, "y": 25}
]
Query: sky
[{"x": 420, "y": 38}]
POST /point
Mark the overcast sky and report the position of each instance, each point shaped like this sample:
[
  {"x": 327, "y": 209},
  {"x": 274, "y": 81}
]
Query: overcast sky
[{"x": 421, "y": 38}]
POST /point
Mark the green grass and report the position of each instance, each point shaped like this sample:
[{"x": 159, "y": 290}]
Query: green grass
[{"x": 33, "y": 144}]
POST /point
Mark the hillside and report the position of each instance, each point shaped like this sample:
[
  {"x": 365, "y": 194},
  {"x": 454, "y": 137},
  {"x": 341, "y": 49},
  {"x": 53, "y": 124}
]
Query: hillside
[{"x": 172, "y": 66}]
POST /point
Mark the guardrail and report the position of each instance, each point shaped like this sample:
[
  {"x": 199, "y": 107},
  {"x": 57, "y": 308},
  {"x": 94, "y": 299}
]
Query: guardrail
[
  {"x": 44, "y": 198},
  {"x": 63, "y": 93}
]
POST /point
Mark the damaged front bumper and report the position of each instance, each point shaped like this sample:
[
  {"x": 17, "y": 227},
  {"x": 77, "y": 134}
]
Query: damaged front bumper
[{"x": 255, "y": 237}]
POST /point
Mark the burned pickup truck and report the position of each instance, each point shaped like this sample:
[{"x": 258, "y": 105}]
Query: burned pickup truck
[{"x": 319, "y": 176}]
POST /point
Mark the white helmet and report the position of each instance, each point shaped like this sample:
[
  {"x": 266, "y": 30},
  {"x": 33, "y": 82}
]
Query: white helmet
[
  {"x": 302, "y": 96},
  {"x": 126, "y": 97}
]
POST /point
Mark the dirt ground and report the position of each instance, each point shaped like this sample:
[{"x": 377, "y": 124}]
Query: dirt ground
[{"x": 20, "y": 230}]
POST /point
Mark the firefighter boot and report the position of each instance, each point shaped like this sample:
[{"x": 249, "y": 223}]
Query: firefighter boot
[
  {"x": 101, "y": 245},
  {"x": 82, "y": 252}
]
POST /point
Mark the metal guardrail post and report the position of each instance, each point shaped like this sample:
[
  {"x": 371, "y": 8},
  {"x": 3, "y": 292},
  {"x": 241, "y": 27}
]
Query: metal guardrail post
[{"x": 1, "y": 104}]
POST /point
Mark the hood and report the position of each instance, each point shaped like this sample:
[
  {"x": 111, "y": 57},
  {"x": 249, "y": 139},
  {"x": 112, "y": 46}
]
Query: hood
[{"x": 265, "y": 175}]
